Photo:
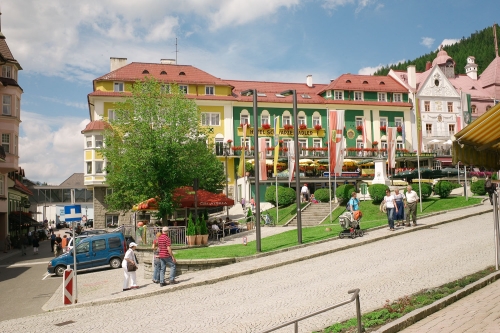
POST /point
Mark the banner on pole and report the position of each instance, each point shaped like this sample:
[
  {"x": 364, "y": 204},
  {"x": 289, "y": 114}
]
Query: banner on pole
[
  {"x": 336, "y": 145},
  {"x": 262, "y": 159},
  {"x": 391, "y": 146}
]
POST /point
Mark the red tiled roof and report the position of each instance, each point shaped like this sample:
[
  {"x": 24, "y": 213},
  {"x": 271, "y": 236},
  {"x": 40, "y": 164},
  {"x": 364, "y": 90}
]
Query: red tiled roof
[
  {"x": 491, "y": 75},
  {"x": 20, "y": 187},
  {"x": 96, "y": 125},
  {"x": 354, "y": 82},
  {"x": 163, "y": 72},
  {"x": 6, "y": 54}
]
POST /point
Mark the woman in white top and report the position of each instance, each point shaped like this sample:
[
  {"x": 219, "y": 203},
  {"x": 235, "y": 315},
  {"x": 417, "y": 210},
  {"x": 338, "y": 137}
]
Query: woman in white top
[
  {"x": 400, "y": 215},
  {"x": 129, "y": 276},
  {"x": 391, "y": 208}
]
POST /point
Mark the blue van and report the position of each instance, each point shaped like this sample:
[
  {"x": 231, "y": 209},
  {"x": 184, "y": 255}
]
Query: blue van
[{"x": 95, "y": 251}]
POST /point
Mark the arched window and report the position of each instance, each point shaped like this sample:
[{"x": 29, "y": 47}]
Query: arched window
[
  {"x": 265, "y": 118},
  {"x": 286, "y": 118},
  {"x": 245, "y": 117},
  {"x": 474, "y": 108},
  {"x": 145, "y": 71},
  {"x": 316, "y": 119},
  {"x": 302, "y": 119}
]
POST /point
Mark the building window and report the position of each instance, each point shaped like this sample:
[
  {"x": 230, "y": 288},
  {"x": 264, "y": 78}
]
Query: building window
[
  {"x": 451, "y": 128},
  {"x": 16, "y": 144},
  {"x": 18, "y": 108},
  {"x": 89, "y": 168},
  {"x": 99, "y": 167},
  {"x": 382, "y": 97},
  {"x": 7, "y": 71},
  {"x": 6, "y": 142},
  {"x": 119, "y": 87},
  {"x": 359, "y": 121},
  {"x": 428, "y": 129},
  {"x": 6, "y": 105},
  {"x": 488, "y": 107},
  {"x": 339, "y": 94},
  {"x": 400, "y": 145},
  {"x": 209, "y": 90},
  {"x": 474, "y": 109},
  {"x": 287, "y": 120},
  {"x": 89, "y": 141},
  {"x": 383, "y": 122},
  {"x": 165, "y": 88},
  {"x": 109, "y": 191},
  {"x": 302, "y": 145},
  {"x": 329, "y": 94},
  {"x": 2, "y": 184},
  {"x": 316, "y": 120},
  {"x": 111, "y": 115},
  {"x": 246, "y": 143},
  {"x": 210, "y": 119},
  {"x": 317, "y": 143},
  {"x": 183, "y": 89},
  {"x": 427, "y": 106},
  {"x": 302, "y": 120},
  {"x": 358, "y": 95},
  {"x": 264, "y": 119},
  {"x": 450, "y": 106},
  {"x": 98, "y": 141},
  {"x": 398, "y": 122},
  {"x": 244, "y": 119},
  {"x": 398, "y": 98},
  {"x": 111, "y": 220}
]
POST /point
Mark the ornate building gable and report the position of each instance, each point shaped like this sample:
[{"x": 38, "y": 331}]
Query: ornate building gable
[{"x": 437, "y": 85}]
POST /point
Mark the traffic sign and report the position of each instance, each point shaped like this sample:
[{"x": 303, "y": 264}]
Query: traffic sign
[{"x": 72, "y": 213}]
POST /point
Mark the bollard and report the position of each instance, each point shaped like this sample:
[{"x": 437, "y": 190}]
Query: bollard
[
  {"x": 68, "y": 286},
  {"x": 244, "y": 241}
]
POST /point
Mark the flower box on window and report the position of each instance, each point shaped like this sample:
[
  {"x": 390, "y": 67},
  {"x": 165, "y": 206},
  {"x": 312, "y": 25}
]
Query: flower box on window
[
  {"x": 383, "y": 128},
  {"x": 266, "y": 126},
  {"x": 359, "y": 128},
  {"x": 374, "y": 143},
  {"x": 399, "y": 129},
  {"x": 317, "y": 127},
  {"x": 288, "y": 127},
  {"x": 229, "y": 141},
  {"x": 302, "y": 126}
]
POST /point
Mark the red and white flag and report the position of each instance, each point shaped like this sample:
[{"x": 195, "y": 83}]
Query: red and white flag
[
  {"x": 262, "y": 159},
  {"x": 336, "y": 146},
  {"x": 364, "y": 134},
  {"x": 391, "y": 146}
]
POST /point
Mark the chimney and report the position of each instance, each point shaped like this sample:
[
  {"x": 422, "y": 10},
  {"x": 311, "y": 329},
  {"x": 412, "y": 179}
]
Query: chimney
[
  {"x": 309, "y": 81},
  {"x": 116, "y": 63},
  {"x": 428, "y": 65},
  {"x": 167, "y": 61},
  {"x": 412, "y": 76}
]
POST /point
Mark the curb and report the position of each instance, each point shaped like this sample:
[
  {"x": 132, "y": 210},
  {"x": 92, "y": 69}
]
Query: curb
[
  {"x": 266, "y": 267},
  {"x": 419, "y": 314}
]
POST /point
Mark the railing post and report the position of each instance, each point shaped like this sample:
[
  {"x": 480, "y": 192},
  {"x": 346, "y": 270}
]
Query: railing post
[{"x": 358, "y": 314}]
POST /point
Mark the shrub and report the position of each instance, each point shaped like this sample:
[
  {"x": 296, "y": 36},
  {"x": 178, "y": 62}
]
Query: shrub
[
  {"x": 377, "y": 192},
  {"x": 344, "y": 191},
  {"x": 443, "y": 188},
  {"x": 191, "y": 230},
  {"x": 455, "y": 185},
  {"x": 203, "y": 229},
  {"x": 478, "y": 187},
  {"x": 198, "y": 226},
  {"x": 286, "y": 195},
  {"x": 426, "y": 189},
  {"x": 322, "y": 195},
  {"x": 249, "y": 215}
]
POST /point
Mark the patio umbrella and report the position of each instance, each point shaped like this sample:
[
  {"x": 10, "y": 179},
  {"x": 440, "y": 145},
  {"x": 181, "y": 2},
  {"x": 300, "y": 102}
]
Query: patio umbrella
[
  {"x": 184, "y": 196},
  {"x": 268, "y": 161},
  {"x": 305, "y": 161},
  {"x": 349, "y": 162},
  {"x": 448, "y": 142},
  {"x": 435, "y": 141}
]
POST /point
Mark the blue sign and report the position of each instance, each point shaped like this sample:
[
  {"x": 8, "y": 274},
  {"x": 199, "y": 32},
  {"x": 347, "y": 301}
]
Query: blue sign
[{"x": 73, "y": 213}]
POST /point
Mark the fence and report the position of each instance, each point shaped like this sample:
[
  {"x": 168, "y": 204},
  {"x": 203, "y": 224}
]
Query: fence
[
  {"x": 146, "y": 235},
  {"x": 295, "y": 322}
]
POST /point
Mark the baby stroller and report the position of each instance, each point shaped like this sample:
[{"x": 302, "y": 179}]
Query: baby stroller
[{"x": 350, "y": 225}]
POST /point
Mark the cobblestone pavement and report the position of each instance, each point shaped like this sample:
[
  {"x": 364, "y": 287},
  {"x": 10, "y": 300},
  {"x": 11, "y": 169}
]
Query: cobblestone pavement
[
  {"x": 478, "y": 312},
  {"x": 389, "y": 265}
]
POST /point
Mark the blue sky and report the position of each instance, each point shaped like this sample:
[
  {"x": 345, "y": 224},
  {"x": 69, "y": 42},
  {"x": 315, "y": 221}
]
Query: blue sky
[{"x": 63, "y": 45}]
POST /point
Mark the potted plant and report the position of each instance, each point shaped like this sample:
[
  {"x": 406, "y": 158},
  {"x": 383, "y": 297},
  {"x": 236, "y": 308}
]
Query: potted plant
[
  {"x": 399, "y": 129},
  {"x": 198, "y": 238},
  {"x": 317, "y": 127},
  {"x": 229, "y": 141},
  {"x": 288, "y": 127},
  {"x": 302, "y": 126},
  {"x": 374, "y": 143},
  {"x": 359, "y": 128},
  {"x": 204, "y": 232},
  {"x": 249, "y": 220},
  {"x": 266, "y": 126},
  {"x": 191, "y": 232},
  {"x": 383, "y": 128}
]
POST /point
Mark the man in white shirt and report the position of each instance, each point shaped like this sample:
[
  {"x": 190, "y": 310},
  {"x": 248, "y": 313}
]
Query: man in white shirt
[
  {"x": 411, "y": 205},
  {"x": 305, "y": 193}
]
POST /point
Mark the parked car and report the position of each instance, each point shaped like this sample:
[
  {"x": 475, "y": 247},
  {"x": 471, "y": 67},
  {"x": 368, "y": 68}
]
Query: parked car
[
  {"x": 93, "y": 232},
  {"x": 91, "y": 252},
  {"x": 61, "y": 225},
  {"x": 69, "y": 246}
]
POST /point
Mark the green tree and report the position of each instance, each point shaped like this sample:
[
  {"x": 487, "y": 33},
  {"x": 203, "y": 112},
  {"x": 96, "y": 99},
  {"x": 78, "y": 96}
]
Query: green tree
[
  {"x": 155, "y": 145},
  {"x": 443, "y": 188}
]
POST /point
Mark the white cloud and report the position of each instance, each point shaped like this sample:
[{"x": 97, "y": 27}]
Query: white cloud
[
  {"x": 371, "y": 70},
  {"x": 66, "y": 102},
  {"x": 427, "y": 42},
  {"x": 164, "y": 30},
  {"x": 361, "y": 4},
  {"x": 51, "y": 149},
  {"x": 447, "y": 42}
]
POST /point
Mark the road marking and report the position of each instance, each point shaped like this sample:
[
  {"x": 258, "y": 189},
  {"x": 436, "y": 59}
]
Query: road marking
[
  {"x": 46, "y": 276},
  {"x": 26, "y": 264}
]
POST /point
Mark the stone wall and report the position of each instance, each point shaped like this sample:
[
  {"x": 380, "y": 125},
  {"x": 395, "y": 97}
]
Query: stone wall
[{"x": 101, "y": 209}]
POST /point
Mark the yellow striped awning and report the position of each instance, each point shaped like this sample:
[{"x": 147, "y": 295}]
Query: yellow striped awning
[{"x": 478, "y": 143}]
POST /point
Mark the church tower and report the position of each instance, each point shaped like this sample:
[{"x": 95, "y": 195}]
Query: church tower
[{"x": 471, "y": 68}]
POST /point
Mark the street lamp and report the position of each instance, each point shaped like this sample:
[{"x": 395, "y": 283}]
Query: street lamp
[
  {"x": 297, "y": 167},
  {"x": 253, "y": 92},
  {"x": 226, "y": 153}
]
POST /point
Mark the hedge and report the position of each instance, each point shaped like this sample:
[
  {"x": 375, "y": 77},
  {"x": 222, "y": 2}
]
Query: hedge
[
  {"x": 377, "y": 192},
  {"x": 286, "y": 195}
]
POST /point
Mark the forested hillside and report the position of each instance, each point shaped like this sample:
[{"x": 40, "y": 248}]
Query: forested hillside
[{"x": 480, "y": 45}]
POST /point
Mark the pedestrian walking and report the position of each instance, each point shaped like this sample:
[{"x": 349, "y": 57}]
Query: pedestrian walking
[
  {"x": 129, "y": 265},
  {"x": 411, "y": 206},
  {"x": 36, "y": 245},
  {"x": 7, "y": 246},
  {"x": 166, "y": 258},
  {"x": 400, "y": 214},
  {"x": 252, "y": 203},
  {"x": 391, "y": 208},
  {"x": 24, "y": 243},
  {"x": 243, "y": 203},
  {"x": 305, "y": 193},
  {"x": 58, "y": 250},
  {"x": 52, "y": 241},
  {"x": 489, "y": 187},
  {"x": 156, "y": 260},
  {"x": 30, "y": 237}
]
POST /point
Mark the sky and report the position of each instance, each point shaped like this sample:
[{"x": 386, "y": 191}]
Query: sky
[{"x": 63, "y": 45}]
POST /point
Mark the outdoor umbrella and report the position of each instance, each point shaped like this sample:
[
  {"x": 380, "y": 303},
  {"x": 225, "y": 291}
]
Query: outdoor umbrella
[
  {"x": 305, "y": 161},
  {"x": 184, "y": 196},
  {"x": 349, "y": 162}
]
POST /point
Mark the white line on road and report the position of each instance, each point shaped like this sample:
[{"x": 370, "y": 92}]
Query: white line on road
[
  {"x": 26, "y": 264},
  {"x": 46, "y": 276}
]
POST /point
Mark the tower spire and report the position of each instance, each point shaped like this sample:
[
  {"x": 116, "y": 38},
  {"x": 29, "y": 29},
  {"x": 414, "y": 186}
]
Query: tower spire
[{"x": 494, "y": 36}]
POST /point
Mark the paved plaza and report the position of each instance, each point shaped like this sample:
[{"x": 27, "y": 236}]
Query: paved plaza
[{"x": 253, "y": 295}]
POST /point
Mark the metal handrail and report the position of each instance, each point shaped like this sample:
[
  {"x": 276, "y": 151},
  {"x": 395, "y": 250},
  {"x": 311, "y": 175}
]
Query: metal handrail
[{"x": 355, "y": 296}]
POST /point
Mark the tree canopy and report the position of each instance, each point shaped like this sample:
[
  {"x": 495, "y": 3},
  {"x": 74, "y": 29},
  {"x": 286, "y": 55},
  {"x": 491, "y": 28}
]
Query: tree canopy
[{"x": 154, "y": 145}]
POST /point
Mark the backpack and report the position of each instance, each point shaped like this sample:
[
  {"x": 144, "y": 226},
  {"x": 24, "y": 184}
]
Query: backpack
[{"x": 488, "y": 183}]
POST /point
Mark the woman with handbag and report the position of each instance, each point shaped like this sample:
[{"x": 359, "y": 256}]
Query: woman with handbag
[{"x": 129, "y": 265}]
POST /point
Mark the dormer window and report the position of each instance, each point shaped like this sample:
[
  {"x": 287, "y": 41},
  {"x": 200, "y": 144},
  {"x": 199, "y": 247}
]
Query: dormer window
[
  {"x": 182, "y": 73},
  {"x": 339, "y": 95},
  {"x": 183, "y": 89},
  {"x": 118, "y": 87},
  {"x": 382, "y": 83},
  {"x": 358, "y": 95},
  {"x": 7, "y": 71},
  {"x": 365, "y": 82},
  {"x": 145, "y": 71},
  {"x": 382, "y": 97},
  {"x": 397, "y": 98},
  {"x": 348, "y": 81},
  {"x": 163, "y": 73},
  {"x": 209, "y": 90},
  {"x": 328, "y": 93}
]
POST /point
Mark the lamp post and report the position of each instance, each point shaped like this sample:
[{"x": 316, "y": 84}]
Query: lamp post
[
  {"x": 226, "y": 154},
  {"x": 253, "y": 92},
  {"x": 297, "y": 166}
]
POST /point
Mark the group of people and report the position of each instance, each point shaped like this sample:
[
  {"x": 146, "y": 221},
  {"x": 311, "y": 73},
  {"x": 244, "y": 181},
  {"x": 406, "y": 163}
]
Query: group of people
[
  {"x": 397, "y": 203},
  {"x": 31, "y": 238}
]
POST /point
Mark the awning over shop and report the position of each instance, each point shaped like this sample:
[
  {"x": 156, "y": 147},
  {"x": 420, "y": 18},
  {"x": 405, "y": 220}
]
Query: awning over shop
[{"x": 478, "y": 144}]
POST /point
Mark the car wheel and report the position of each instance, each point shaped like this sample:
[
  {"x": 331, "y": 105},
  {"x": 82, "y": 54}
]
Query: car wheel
[
  {"x": 115, "y": 263},
  {"x": 60, "y": 270}
]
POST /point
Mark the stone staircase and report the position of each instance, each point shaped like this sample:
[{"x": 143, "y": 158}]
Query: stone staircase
[{"x": 313, "y": 214}]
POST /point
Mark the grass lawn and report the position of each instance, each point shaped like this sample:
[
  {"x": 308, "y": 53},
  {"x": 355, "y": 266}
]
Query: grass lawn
[{"x": 372, "y": 217}]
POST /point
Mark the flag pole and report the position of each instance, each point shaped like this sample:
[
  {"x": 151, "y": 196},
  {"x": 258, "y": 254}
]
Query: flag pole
[
  {"x": 329, "y": 168},
  {"x": 276, "y": 144}
]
